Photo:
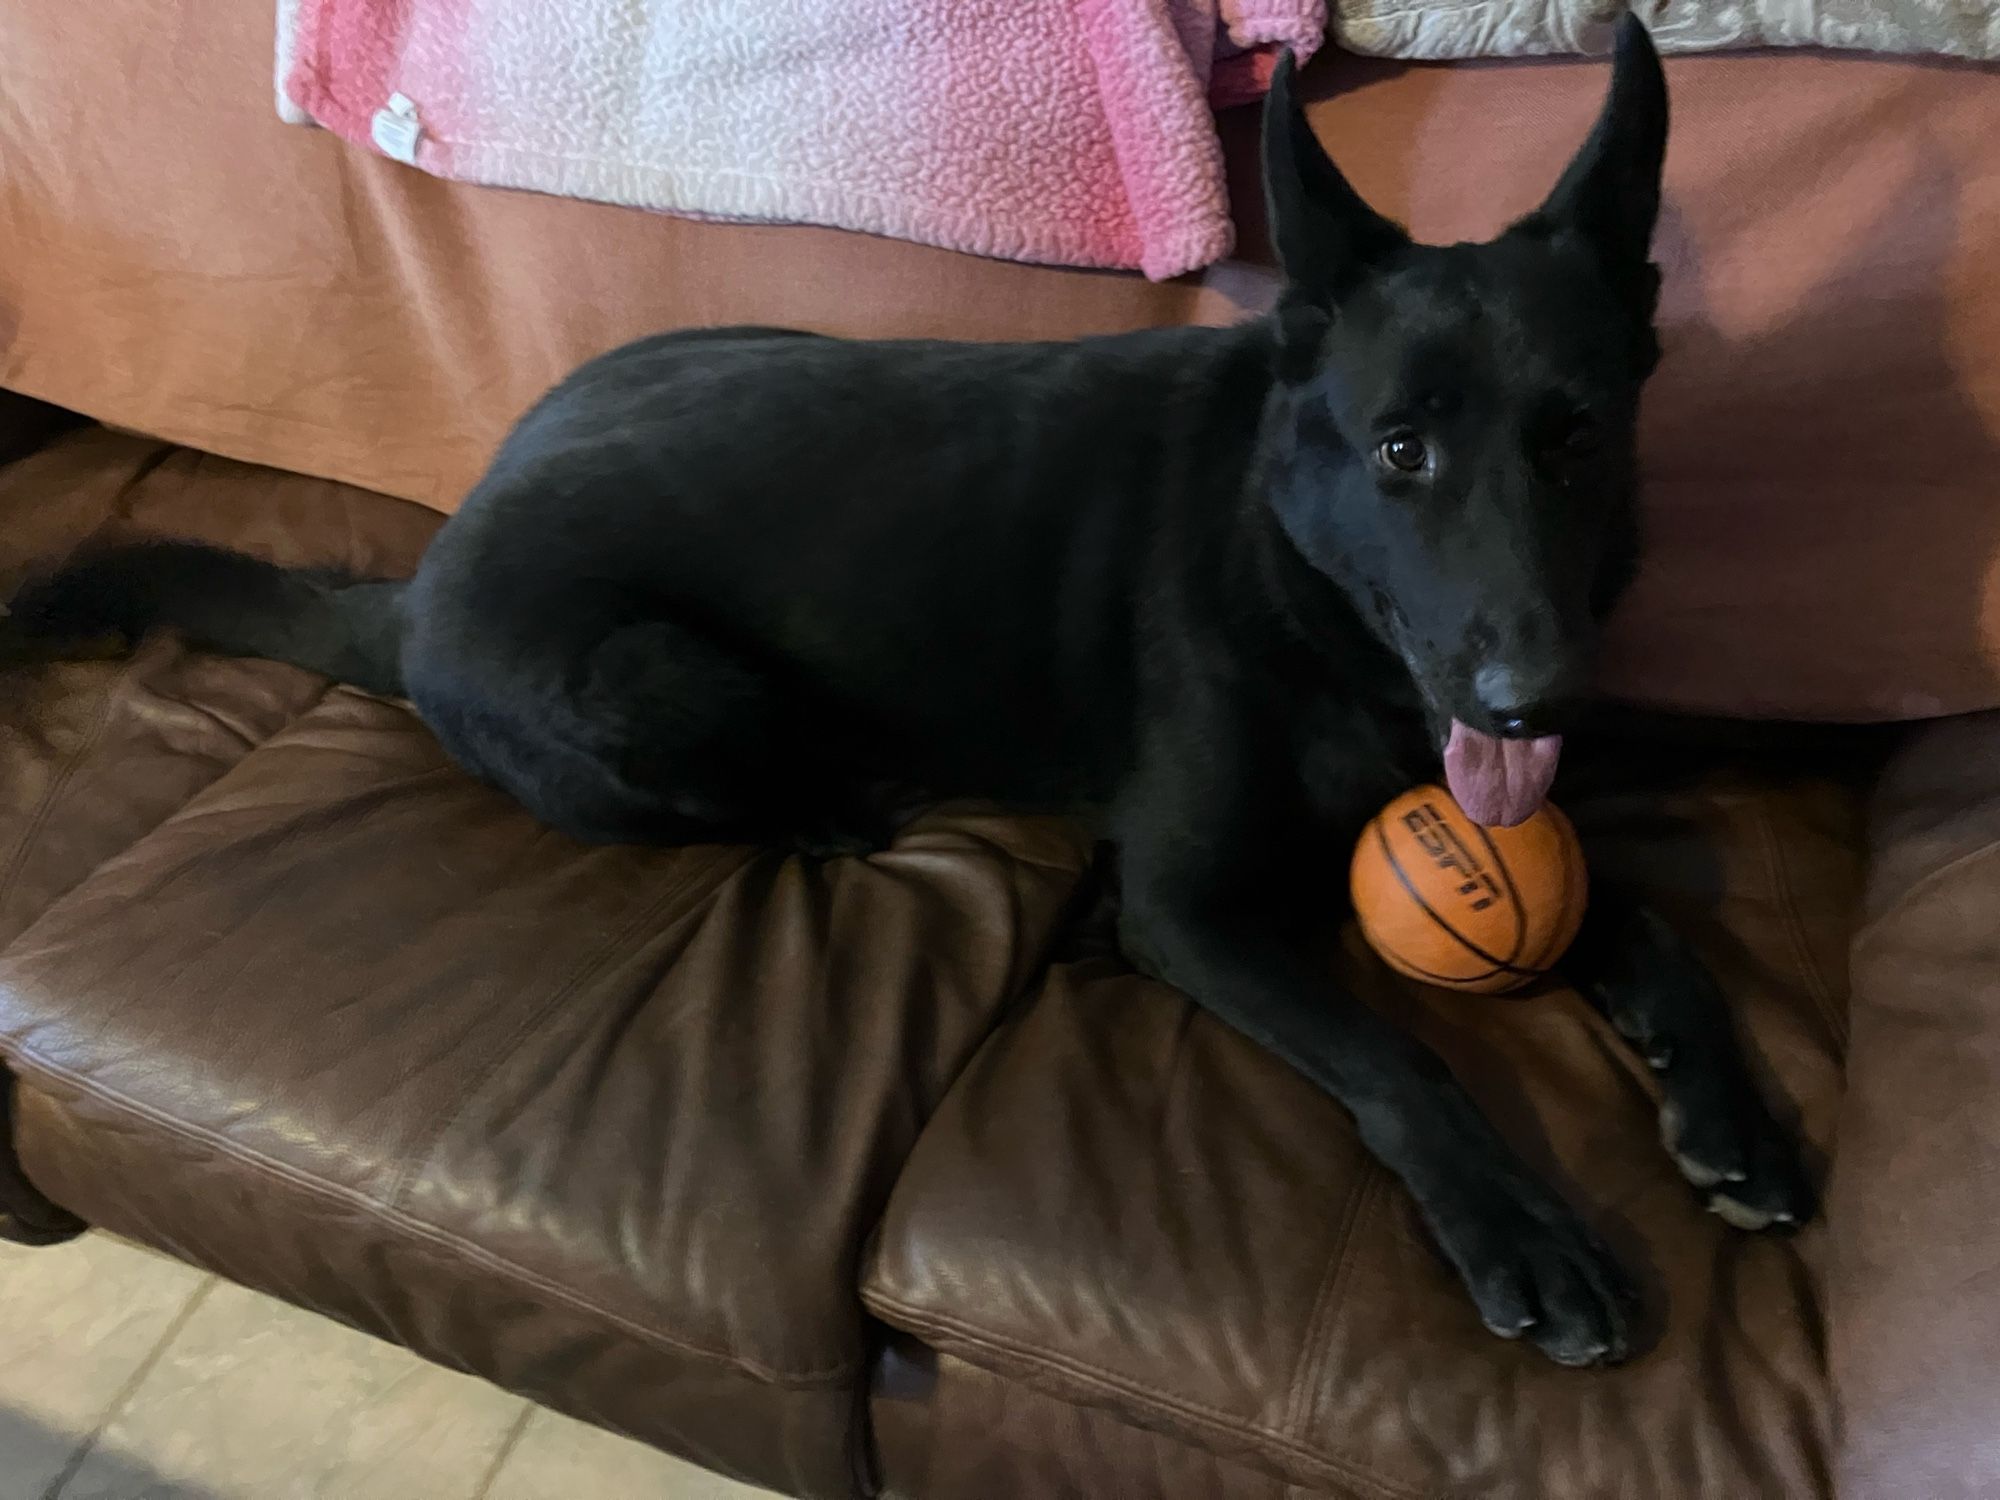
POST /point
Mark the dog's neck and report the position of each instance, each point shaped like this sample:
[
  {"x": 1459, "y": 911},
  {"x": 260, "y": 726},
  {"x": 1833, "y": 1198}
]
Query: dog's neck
[
  {"x": 1312, "y": 624},
  {"x": 1235, "y": 422},
  {"x": 1289, "y": 623},
  {"x": 1316, "y": 614}
]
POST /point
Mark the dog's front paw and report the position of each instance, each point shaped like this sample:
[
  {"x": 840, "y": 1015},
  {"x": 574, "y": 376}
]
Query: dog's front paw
[
  {"x": 1745, "y": 1165},
  {"x": 1536, "y": 1272}
]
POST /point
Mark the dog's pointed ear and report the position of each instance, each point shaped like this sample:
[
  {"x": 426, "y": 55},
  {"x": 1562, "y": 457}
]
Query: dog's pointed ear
[
  {"x": 1610, "y": 194},
  {"x": 1323, "y": 232}
]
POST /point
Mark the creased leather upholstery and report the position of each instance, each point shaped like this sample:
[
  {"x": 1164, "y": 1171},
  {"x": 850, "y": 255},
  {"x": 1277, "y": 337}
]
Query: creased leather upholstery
[
  {"x": 1125, "y": 1208},
  {"x": 93, "y": 754},
  {"x": 607, "y": 1125},
  {"x": 946, "y": 1429},
  {"x": 1916, "y": 1194},
  {"x": 288, "y": 996}
]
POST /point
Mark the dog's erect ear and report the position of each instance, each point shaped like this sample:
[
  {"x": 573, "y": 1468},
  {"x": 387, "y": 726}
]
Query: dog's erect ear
[
  {"x": 1323, "y": 233},
  {"x": 1610, "y": 195}
]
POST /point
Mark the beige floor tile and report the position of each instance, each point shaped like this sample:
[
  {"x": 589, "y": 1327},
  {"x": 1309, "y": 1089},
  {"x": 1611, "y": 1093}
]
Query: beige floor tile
[
  {"x": 77, "y": 1322},
  {"x": 560, "y": 1459},
  {"x": 255, "y": 1400}
]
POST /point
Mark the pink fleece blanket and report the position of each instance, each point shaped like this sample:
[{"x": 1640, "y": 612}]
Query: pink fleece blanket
[{"x": 1077, "y": 132}]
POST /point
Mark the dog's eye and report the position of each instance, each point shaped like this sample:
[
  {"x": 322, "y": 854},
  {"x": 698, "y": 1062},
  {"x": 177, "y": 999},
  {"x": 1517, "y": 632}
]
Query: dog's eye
[
  {"x": 1580, "y": 434},
  {"x": 1405, "y": 452}
]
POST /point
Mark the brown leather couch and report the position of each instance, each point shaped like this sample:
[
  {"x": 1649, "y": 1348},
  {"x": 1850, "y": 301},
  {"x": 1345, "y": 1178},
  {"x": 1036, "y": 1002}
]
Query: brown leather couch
[{"x": 885, "y": 1176}]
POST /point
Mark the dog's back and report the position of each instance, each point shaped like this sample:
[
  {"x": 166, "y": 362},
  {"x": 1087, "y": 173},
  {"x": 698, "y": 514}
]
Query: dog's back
[{"x": 942, "y": 544}]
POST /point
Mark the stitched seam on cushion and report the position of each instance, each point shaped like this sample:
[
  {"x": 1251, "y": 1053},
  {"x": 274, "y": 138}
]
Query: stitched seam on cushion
[
  {"x": 925, "y": 1322},
  {"x": 527, "y": 1025},
  {"x": 1779, "y": 870},
  {"x": 1316, "y": 1490},
  {"x": 91, "y": 739},
  {"x": 26, "y": 1060},
  {"x": 1922, "y": 887},
  {"x": 1302, "y": 1391},
  {"x": 20, "y": 856},
  {"x": 1075, "y": 872},
  {"x": 1368, "y": 1195},
  {"x": 236, "y": 731}
]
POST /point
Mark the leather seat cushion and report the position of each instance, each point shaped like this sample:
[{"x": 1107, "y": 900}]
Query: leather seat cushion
[
  {"x": 606, "y": 1125},
  {"x": 1124, "y": 1207},
  {"x": 1914, "y": 1318},
  {"x": 946, "y": 1429},
  {"x": 94, "y": 754}
]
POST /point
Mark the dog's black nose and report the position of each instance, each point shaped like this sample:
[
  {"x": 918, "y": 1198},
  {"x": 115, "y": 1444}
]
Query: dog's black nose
[{"x": 1520, "y": 703}]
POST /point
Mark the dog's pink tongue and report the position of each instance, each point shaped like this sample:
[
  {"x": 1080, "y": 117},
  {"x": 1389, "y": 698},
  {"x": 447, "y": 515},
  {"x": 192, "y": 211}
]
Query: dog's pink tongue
[{"x": 1499, "y": 782}]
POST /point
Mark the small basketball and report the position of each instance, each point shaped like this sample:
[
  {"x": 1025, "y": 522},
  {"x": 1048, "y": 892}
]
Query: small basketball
[{"x": 1447, "y": 901}]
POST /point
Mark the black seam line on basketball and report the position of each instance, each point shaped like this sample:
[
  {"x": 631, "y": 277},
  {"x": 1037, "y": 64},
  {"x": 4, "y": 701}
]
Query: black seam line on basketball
[
  {"x": 1520, "y": 915},
  {"x": 1449, "y": 981},
  {"x": 1499, "y": 964}
]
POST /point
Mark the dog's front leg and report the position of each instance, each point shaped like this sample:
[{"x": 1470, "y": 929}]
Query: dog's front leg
[
  {"x": 1534, "y": 1270},
  {"x": 1650, "y": 985}
]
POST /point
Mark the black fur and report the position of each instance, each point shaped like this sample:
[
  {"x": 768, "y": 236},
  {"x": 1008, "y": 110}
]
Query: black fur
[
  {"x": 757, "y": 584},
  {"x": 225, "y": 601}
]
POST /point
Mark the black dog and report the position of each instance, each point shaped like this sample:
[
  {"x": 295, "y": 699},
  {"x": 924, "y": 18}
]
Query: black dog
[{"x": 1233, "y": 588}]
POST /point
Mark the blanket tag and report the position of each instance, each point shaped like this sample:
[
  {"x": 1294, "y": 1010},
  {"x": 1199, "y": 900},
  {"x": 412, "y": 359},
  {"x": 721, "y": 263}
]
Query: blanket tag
[{"x": 396, "y": 130}]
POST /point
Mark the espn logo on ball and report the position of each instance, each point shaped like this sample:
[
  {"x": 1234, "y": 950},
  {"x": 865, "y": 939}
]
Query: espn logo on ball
[
  {"x": 1447, "y": 900},
  {"x": 1435, "y": 837}
]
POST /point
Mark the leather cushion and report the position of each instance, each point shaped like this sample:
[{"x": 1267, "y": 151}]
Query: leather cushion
[
  {"x": 1125, "y": 1206},
  {"x": 607, "y": 1125},
  {"x": 1914, "y": 1314},
  {"x": 945, "y": 1429},
  {"x": 94, "y": 754}
]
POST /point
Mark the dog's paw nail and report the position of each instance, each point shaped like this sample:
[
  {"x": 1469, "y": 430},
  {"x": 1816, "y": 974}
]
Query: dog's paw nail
[
  {"x": 1577, "y": 1356},
  {"x": 1673, "y": 1121},
  {"x": 1700, "y": 1174},
  {"x": 1735, "y": 1174},
  {"x": 1738, "y": 1215}
]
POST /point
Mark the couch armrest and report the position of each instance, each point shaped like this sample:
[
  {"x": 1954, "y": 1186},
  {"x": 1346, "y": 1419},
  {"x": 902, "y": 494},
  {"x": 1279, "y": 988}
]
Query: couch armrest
[{"x": 1914, "y": 1294}]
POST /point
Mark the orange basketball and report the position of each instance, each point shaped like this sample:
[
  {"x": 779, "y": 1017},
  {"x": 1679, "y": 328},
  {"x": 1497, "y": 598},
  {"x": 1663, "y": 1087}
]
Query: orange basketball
[{"x": 1452, "y": 903}]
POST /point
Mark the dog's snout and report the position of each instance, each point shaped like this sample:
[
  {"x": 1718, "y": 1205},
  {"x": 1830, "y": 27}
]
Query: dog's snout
[{"x": 1523, "y": 701}]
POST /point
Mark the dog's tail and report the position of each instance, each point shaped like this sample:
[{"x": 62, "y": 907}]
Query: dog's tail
[{"x": 343, "y": 627}]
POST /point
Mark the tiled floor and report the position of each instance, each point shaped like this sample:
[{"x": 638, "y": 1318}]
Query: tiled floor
[{"x": 127, "y": 1376}]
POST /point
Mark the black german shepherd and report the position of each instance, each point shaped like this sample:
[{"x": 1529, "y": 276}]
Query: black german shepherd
[{"x": 1231, "y": 588}]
